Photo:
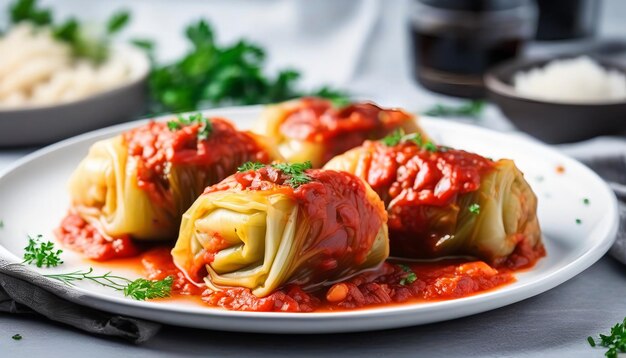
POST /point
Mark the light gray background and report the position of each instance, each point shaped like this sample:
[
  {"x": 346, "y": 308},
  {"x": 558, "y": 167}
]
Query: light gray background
[{"x": 362, "y": 46}]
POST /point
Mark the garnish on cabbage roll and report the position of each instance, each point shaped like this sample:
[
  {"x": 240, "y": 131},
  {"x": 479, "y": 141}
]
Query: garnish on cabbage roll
[
  {"x": 269, "y": 226},
  {"x": 314, "y": 129},
  {"x": 139, "y": 183},
  {"x": 444, "y": 202}
]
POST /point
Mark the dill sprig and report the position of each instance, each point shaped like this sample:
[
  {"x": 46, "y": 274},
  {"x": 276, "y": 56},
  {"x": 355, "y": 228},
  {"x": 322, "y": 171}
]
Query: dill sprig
[
  {"x": 295, "y": 171},
  {"x": 206, "y": 127},
  {"x": 139, "y": 289},
  {"x": 615, "y": 341},
  {"x": 41, "y": 253}
]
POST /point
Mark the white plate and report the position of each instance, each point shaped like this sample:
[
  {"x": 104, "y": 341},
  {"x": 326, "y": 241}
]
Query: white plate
[{"x": 33, "y": 199}]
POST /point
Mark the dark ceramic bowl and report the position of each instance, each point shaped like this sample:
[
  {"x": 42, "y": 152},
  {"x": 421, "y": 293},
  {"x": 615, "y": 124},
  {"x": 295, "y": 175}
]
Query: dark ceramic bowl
[
  {"x": 553, "y": 122},
  {"x": 47, "y": 124}
]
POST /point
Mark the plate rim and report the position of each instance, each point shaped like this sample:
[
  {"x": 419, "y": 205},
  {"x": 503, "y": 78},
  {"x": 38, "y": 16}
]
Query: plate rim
[{"x": 480, "y": 303}]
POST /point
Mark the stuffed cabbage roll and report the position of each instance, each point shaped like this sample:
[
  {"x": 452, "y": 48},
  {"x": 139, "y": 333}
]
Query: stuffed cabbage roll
[
  {"x": 139, "y": 183},
  {"x": 270, "y": 226},
  {"x": 314, "y": 129},
  {"x": 444, "y": 202}
]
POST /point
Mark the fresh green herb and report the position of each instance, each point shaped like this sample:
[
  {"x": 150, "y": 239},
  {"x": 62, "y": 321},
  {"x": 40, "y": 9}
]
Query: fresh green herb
[
  {"x": 430, "y": 146},
  {"x": 338, "y": 98},
  {"x": 17, "y": 337},
  {"x": 615, "y": 341},
  {"x": 247, "y": 166},
  {"x": 142, "y": 289},
  {"x": 139, "y": 289},
  {"x": 41, "y": 253},
  {"x": 586, "y": 201},
  {"x": 474, "y": 208},
  {"x": 211, "y": 74},
  {"x": 70, "y": 31},
  {"x": 579, "y": 221},
  {"x": 473, "y": 109},
  {"x": 295, "y": 171},
  {"x": 410, "y": 277},
  {"x": 117, "y": 21},
  {"x": 26, "y": 10},
  {"x": 206, "y": 126},
  {"x": 398, "y": 136},
  {"x": 393, "y": 138}
]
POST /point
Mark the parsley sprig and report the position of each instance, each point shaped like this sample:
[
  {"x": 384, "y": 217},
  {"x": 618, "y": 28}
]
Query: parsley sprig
[
  {"x": 410, "y": 276},
  {"x": 472, "y": 109},
  {"x": 206, "y": 126},
  {"x": 295, "y": 171},
  {"x": 615, "y": 341},
  {"x": 41, "y": 253},
  {"x": 398, "y": 136},
  {"x": 474, "y": 208},
  {"x": 212, "y": 74},
  {"x": 140, "y": 289}
]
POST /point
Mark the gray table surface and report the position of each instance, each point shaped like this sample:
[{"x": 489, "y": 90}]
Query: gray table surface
[{"x": 555, "y": 323}]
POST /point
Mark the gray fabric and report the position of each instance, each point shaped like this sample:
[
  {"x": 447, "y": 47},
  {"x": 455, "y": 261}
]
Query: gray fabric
[
  {"x": 613, "y": 170},
  {"x": 25, "y": 292}
]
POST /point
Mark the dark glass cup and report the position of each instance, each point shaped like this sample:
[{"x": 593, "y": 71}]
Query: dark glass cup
[
  {"x": 454, "y": 42},
  {"x": 567, "y": 19}
]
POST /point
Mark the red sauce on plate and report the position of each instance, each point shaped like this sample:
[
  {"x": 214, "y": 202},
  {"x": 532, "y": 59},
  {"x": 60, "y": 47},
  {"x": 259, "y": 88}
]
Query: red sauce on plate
[
  {"x": 77, "y": 234},
  {"x": 388, "y": 285},
  {"x": 340, "y": 129}
]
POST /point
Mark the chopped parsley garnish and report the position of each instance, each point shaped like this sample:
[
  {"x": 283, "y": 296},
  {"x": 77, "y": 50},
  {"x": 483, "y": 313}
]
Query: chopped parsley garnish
[
  {"x": 17, "y": 337},
  {"x": 615, "y": 341},
  {"x": 295, "y": 171},
  {"x": 206, "y": 126},
  {"x": 474, "y": 208},
  {"x": 410, "y": 276},
  {"x": 398, "y": 136},
  {"x": 139, "y": 289},
  {"x": 586, "y": 201},
  {"x": 247, "y": 166},
  {"x": 579, "y": 221},
  {"x": 472, "y": 109},
  {"x": 41, "y": 253}
]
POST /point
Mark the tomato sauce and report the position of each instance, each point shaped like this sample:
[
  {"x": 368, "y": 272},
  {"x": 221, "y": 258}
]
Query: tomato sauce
[
  {"x": 395, "y": 282},
  {"x": 158, "y": 148},
  {"x": 77, "y": 234},
  {"x": 317, "y": 120}
]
